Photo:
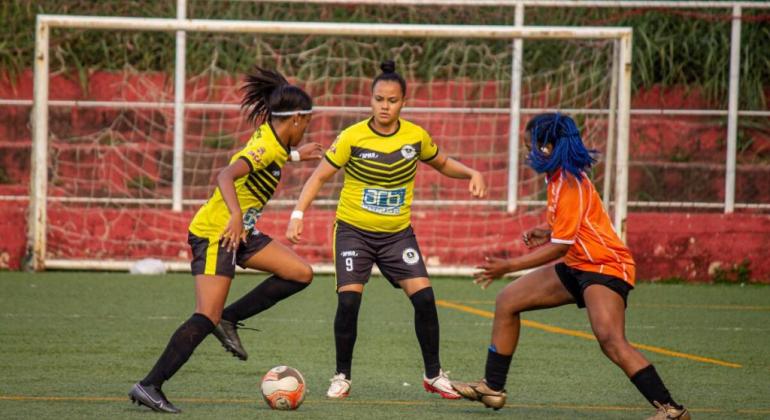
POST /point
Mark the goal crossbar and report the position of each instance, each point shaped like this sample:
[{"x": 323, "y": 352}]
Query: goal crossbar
[
  {"x": 44, "y": 23},
  {"x": 336, "y": 29}
]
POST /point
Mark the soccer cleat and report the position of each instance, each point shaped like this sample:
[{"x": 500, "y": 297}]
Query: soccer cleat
[
  {"x": 440, "y": 385},
  {"x": 480, "y": 391},
  {"x": 152, "y": 397},
  {"x": 227, "y": 333},
  {"x": 339, "y": 388},
  {"x": 669, "y": 412}
]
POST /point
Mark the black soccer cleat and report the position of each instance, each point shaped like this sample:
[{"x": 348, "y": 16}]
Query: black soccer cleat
[
  {"x": 227, "y": 333},
  {"x": 152, "y": 397}
]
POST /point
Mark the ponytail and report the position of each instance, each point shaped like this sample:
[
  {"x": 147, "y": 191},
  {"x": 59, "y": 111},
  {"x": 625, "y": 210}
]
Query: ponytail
[{"x": 267, "y": 94}]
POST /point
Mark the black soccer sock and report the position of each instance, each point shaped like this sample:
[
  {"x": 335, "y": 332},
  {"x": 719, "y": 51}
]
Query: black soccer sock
[
  {"x": 427, "y": 329},
  {"x": 271, "y": 291},
  {"x": 497, "y": 369},
  {"x": 181, "y": 345},
  {"x": 346, "y": 329},
  {"x": 648, "y": 382}
]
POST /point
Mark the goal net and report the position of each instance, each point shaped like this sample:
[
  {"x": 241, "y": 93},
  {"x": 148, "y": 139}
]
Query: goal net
[{"x": 109, "y": 167}]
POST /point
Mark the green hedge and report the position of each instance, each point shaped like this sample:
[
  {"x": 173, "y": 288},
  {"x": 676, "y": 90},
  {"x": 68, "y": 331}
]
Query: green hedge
[{"x": 671, "y": 47}]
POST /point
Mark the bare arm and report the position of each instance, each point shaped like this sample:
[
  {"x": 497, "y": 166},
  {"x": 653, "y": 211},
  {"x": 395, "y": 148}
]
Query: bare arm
[
  {"x": 537, "y": 236},
  {"x": 494, "y": 268},
  {"x": 320, "y": 176},
  {"x": 454, "y": 169},
  {"x": 233, "y": 232}
]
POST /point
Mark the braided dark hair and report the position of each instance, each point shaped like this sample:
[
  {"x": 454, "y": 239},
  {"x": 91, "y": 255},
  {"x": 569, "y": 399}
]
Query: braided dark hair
[
  {"x": 267, "y": 91},
  {"x": 567, "y": 149},
  {"x": 388, "y": 68}
]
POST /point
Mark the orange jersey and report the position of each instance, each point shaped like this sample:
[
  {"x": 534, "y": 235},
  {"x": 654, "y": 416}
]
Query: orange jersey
[{"x": 577, "y": 218}]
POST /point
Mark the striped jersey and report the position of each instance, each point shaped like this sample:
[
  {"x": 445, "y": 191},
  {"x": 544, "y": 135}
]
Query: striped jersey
[
  {"x": 379, "y": 174},
  {"x": 577, "y": 218},
  {"x": 265, "y": 156}
]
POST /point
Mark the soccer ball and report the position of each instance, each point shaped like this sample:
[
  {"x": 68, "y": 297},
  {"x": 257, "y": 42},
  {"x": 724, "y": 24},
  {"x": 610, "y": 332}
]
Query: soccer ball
[{"x": 283, "y": 388}]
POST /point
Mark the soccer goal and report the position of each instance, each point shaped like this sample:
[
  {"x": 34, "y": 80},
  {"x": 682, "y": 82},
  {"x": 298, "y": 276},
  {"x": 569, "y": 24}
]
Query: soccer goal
[{"x": 123, "y": 157}]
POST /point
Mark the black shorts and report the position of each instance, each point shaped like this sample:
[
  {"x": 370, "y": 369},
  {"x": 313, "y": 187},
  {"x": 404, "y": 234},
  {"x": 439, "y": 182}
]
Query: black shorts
[
  {"x": 209, "y": 257},
  {"x": 576, "y": 282},
  {"x": 397, "y": 255}
]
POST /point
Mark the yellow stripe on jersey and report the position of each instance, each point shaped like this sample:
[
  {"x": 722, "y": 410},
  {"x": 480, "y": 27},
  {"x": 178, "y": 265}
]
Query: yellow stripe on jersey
[
  {"x": 265, "y": 156},
  {"x": 379, "y": 174},
  {"x": 211, "y": 257}
]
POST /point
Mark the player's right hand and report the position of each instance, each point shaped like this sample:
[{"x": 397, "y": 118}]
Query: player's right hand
[
  {"x": 492, "y": 268},
  {"x": 310, "y": 151},
  {"x": 294, "y": 231},
  {"x": 477, "y": 186},
  {"x": 536, "y": 237}
]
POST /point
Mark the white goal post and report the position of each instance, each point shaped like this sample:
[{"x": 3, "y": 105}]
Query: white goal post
[{"x": 37, "y": 224}]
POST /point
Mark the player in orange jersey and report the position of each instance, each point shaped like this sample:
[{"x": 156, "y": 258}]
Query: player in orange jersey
[{"x": 597, "y": 271}]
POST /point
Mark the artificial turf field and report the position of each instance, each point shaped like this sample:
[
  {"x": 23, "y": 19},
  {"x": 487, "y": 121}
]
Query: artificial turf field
[{"x": 72, "y": 344}]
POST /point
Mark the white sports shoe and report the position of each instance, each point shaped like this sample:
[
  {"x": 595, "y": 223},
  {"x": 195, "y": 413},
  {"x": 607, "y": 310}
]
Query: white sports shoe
[
  {"x": 340, "y": 387},
  {"x": 440, "y": 385}
]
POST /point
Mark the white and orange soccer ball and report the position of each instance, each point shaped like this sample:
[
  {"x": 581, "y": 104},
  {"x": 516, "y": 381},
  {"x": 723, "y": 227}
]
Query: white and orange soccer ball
[{"x": 283, "y": 388}]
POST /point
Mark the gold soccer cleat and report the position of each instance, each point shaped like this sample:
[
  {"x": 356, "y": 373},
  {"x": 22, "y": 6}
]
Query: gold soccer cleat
[
  {"x": 669, "y": 412},
  {"x": 479, "y": 391}
]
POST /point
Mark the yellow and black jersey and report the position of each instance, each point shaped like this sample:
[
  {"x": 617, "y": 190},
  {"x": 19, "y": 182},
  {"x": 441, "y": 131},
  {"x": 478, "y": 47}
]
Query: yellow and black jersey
[
  {"x": 265, "y": 156},
  {"x": 379, "y": 174}
]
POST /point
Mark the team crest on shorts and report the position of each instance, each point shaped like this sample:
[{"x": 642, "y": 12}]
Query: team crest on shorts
[
  {"x": 410, "y": 256},
  {"x": 408, "y": 152}
]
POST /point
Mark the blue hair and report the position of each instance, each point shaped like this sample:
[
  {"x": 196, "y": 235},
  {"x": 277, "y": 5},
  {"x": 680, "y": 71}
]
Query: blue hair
[{"x": 567, "y": 149}]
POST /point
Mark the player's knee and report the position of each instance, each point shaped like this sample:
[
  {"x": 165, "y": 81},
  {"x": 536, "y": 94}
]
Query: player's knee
[
  {"x": 423, "y": 299},
  {"x": 301, "y": 273},
  {"x": 348, "y": 302},
  {"x": 612, "y": 344},
  {"x": 507, "y": 304},
  {"x": 304, "y": 274}
]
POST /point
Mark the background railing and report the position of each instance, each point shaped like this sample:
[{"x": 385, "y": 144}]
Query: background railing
[{"x": 736, "y": 92}]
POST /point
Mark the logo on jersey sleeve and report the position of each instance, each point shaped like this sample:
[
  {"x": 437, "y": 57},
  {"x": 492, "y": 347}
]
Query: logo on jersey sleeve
[
  {"x": 410, "y": 256},
  {"x": 384, "y": 201},
  {"x": 256, "y": 155},
  {"x": 333, "y": 147},
  {"x": 408, "y": 152}
]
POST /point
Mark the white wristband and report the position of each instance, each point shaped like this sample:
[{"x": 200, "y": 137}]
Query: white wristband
[
  {"x": 297, "y": 214},
  {"x": 294, "y": 157}
]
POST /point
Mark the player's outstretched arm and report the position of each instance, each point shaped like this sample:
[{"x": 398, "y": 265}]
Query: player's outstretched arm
[
  {"x": 322, "y": 173},
  {"x": 454, "y": 169},
  {"x": 494, "y": 268}
]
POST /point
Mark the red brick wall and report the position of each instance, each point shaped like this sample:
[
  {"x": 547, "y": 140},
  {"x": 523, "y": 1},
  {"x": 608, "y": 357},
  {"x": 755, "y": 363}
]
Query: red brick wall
[
  {"x": 665, "y": 245},
  {"x": 691, "y": 246}
]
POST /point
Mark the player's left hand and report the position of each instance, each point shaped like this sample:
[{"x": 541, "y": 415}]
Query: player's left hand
[
  {"x": 294, "y": 231},
  {"x": 477, "y": 186},
  {"x": 310, "y": 151},
  {"x": 492, "y": 268},
  {"x": 233, "y": 234}
]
